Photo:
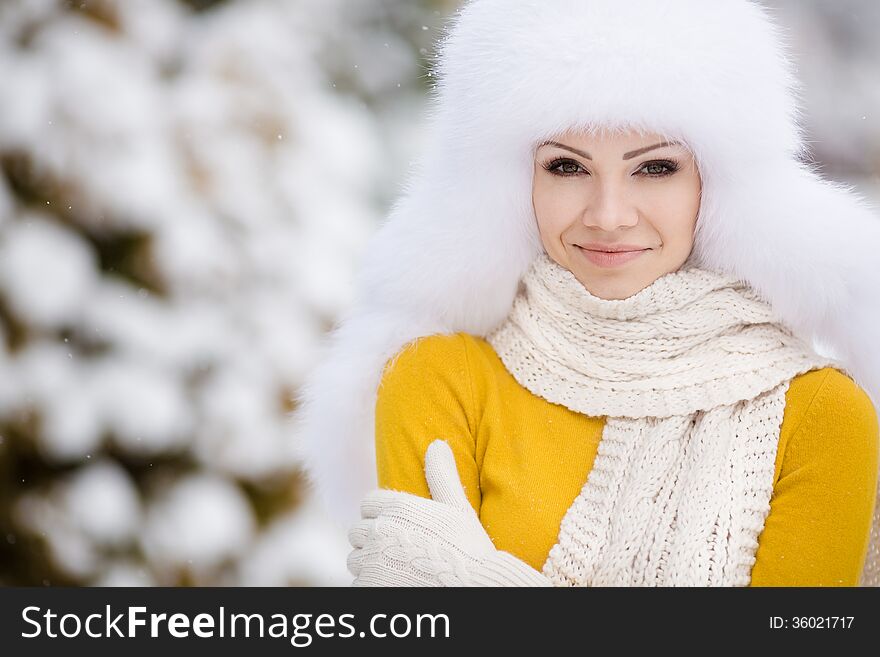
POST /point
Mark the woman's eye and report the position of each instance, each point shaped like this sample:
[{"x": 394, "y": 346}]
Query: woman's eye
[
  {"x": 564, "y": 167},
  {"x": 659, "y": 168}
]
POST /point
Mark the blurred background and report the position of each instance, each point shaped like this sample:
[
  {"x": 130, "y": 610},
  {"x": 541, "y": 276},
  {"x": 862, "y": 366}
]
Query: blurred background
[{"x": 186, "y": 187}]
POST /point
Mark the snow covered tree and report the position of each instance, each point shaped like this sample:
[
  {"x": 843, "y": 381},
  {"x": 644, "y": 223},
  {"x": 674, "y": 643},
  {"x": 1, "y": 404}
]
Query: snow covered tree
[{"x": 185, "y": 188}]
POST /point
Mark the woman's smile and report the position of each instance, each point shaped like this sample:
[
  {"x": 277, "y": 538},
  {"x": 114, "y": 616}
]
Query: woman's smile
[{"x": 610, "y": 258}]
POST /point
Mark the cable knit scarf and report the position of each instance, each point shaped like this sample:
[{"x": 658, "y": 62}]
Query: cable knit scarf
[{"x": 691, "y": 374}]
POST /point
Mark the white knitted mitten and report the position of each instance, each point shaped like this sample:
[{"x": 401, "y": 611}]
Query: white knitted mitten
[{"x": 408, "y": 540}]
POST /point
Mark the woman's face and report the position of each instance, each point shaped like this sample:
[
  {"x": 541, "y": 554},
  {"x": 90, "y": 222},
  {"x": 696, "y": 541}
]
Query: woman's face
[{"x": 616, "y": 191}]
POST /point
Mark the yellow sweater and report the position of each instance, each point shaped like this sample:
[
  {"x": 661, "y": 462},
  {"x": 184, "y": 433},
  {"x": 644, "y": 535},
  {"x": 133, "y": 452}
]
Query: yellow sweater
[{"x": 523, "y": 460}]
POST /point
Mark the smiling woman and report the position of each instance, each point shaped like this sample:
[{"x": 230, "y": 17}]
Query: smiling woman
[
  {"x": 631, "y": 387},
  {"x": 618, "y": 209}
]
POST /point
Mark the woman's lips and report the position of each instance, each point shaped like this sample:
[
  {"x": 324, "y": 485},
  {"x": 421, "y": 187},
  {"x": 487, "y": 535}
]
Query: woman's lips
[{"x": 610, "y": 259}]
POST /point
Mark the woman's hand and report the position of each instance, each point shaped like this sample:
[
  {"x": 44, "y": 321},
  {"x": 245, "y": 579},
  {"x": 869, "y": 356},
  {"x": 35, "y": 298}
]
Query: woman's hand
[{"x": 408, "y": 540}]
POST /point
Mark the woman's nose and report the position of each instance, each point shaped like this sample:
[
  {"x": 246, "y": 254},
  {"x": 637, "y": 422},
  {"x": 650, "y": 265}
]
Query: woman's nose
[{"x": 609, "y": 207}]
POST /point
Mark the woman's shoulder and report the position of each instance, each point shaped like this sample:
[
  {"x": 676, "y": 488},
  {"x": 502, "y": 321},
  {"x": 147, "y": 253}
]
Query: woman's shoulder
[
  {"x": 436, "y": 361},
  {"x": 428, "y": 352},
  {"x": 830, "y": 395},
  {"x": 459, "y": 363},
  {"x": 829, "y": 419},
  {"x": 441, "y": 351}
]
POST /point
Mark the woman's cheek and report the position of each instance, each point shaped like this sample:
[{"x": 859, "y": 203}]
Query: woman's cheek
[{"x": 567, "y": 204}]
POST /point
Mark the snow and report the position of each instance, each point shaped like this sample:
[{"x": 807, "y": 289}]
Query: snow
[
  {"x": 102, "y": 501},
  {"x": 197, "y": 523},
  {"x": 144, "y": 406},
  {"x": 83, "y": 514},
  {"x": 46, "y": 271},
  {"x": 297, "y": 548}
]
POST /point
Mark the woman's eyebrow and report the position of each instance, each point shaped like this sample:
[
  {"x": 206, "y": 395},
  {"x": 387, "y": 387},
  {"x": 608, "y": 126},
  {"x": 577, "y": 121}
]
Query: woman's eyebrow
[{"x": 626, "y": 156}]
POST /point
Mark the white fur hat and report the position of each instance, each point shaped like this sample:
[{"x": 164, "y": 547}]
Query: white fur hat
[{"x": 512, "y": 73}]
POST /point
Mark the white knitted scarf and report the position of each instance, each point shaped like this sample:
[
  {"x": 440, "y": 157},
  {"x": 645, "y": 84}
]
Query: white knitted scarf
[{"x": 691, "y": 374}]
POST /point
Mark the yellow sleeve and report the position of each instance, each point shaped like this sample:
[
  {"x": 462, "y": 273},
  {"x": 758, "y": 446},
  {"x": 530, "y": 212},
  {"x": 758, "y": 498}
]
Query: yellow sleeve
[
  {"x": 425, "y": 393},
  {"x": 817, "y": 530}
]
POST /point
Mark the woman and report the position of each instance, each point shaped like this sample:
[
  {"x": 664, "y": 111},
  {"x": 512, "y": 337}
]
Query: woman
[{"x": 655, "y": 417}]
